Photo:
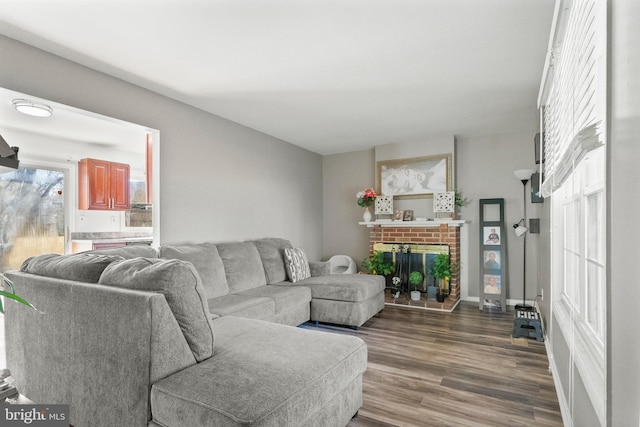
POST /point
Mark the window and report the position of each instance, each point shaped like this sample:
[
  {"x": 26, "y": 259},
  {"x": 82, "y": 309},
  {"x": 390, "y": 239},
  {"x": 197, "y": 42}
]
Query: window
[
  {"x": 579, "y": 284},
  {"x": 573, "y": 114}
]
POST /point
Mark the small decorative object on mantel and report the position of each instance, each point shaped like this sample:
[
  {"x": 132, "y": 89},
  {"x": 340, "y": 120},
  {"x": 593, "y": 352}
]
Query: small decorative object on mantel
[
  {"x": 384, "y": 206},
  {"x": 398, "y": 214},
  {"x": 407, "y": 215},
  {"x": 444, "y": 202},
  {"x": 365, "y": 199}
]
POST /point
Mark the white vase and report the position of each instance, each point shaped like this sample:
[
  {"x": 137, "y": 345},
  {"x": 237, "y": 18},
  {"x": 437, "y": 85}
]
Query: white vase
[
  {"x": 366, "y": 215},
  {"x": 415, "y": 295}
]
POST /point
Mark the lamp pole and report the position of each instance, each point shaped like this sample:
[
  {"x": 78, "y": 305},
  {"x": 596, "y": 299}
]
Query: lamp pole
[{"x": 524, "y": 306}]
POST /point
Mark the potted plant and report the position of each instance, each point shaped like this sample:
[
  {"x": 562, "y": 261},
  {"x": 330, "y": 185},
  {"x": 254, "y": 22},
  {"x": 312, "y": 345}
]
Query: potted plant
[
  {"x": 4, "y": 281},
  {"x": 365, "y": 199},
  {"x": 442, "y": 270},
  {"x": 415, "y": 278},
  {"x": 376, "y": 264},
  {"x": 459, "y": 201}
]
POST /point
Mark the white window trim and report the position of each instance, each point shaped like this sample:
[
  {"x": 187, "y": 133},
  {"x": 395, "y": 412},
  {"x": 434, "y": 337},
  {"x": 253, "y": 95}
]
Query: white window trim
[
  {"x": 586, "y": 347},
  {"x": 588, "y": 356}
]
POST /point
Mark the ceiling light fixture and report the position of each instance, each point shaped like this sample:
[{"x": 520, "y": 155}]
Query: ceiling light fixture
[{"x": 31, "y": 108}]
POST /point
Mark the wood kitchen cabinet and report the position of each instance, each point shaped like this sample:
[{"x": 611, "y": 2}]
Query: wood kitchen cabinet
[{"x": 103, "y": 185}]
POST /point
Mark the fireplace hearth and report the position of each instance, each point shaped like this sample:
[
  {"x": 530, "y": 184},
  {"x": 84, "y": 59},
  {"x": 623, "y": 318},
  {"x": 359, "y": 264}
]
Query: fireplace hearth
[{"x": 409, "y": 257}]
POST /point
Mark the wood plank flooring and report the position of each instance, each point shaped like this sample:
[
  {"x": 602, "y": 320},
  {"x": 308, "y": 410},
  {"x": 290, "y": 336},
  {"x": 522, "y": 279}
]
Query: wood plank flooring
[{"x": 452, "y": 369}]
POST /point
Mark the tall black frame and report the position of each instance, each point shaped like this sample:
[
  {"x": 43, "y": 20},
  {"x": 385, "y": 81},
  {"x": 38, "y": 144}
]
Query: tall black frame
[{"x": 493, "y": 257}]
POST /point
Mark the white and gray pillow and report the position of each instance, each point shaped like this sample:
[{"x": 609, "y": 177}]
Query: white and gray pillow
[{"x": 297, "y": 264}]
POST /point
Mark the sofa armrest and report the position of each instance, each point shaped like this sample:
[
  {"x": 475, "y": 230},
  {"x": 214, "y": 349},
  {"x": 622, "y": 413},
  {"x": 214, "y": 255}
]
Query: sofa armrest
[
  {"x": 319, "y": 268},
  {"x": 92, "y": 344}
]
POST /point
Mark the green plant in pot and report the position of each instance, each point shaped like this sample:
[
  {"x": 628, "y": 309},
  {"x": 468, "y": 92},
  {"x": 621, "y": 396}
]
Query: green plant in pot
[
  {"x": 415, "y": 278},
  {"x": 10, "y": 293},
  {"x": 442, "y": 270},
  {"x": 459, "y": 201},
  {"x": 376, "y": 264}
]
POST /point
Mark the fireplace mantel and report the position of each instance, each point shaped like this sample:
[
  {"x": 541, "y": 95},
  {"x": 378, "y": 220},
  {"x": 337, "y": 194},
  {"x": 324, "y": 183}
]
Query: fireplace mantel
[{"x": 432, "y": 223}]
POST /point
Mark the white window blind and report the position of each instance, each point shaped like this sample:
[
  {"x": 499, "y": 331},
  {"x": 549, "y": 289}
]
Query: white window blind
[
  {"x": 573, "y": 110},
  {"x": 573, "y": 117}
]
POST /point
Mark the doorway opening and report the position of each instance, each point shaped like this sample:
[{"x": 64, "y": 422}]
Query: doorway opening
[{"x": 32, "y": 215}]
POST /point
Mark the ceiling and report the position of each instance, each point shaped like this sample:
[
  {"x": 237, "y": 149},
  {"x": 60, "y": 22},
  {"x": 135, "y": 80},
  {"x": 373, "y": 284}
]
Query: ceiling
[{"x": 331, "y": 76}]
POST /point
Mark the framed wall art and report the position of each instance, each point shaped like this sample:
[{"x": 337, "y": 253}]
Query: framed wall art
[{"x": 416, "y": 177}]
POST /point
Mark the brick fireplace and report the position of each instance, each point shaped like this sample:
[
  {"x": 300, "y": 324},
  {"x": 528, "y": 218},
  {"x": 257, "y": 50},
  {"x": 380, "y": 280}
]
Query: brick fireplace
[{"x": 422, "y": 233}]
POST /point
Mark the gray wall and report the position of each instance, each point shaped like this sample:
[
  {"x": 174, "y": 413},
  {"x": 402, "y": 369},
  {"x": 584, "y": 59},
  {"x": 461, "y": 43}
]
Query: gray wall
[
  {"x": 218, "y": 180},
  {"x": 623, "y": 352},
  {"x": 343, "y": 175},
  {"x": 485, "y": 168}
]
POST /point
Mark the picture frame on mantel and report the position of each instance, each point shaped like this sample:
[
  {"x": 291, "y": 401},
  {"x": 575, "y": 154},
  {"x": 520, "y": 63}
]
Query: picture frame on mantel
[{"x": 415, "y": 177}]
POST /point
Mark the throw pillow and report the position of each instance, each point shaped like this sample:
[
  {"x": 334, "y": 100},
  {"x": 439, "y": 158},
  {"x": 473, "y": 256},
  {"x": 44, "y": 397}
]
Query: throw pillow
[
  {"x": 297, "y": 264},
  {"x": 180, "y": 283}
]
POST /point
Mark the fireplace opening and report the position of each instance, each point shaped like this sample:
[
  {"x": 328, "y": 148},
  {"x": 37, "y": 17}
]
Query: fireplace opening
[{"x": 409, "y": 257}]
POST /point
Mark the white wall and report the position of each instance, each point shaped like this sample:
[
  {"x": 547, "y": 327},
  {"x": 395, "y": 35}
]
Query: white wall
[
  {"x": 623, "y": 346},
  {"x": 219, "y": 180}
]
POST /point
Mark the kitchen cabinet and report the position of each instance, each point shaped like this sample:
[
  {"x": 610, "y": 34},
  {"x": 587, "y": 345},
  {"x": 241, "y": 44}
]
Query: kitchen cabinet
[{"x": 103, "y": 185}]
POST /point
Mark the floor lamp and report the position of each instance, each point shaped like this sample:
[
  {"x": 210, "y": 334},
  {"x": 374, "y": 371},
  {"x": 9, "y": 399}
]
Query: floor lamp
[{"x": 524, "y": 175}]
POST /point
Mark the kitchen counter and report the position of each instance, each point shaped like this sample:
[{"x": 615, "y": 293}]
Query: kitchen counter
[
  {"x": 110, "y": 236},
  {"x": 84, "y": 241}
]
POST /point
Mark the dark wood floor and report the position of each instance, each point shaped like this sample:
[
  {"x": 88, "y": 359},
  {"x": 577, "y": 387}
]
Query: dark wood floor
[{"x": 453, "y": 369}]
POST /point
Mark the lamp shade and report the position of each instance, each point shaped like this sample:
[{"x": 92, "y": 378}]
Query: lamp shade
[
  {"x": 520, "y": 230},
  {"x": 523, "y": 174}
]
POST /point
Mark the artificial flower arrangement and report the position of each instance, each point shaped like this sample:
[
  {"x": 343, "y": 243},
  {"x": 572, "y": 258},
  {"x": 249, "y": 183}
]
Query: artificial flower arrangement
[{"x": 366, "y": 198}]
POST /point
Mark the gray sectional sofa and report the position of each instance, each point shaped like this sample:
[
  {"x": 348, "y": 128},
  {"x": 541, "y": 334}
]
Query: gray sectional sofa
[
  {"x": 189, "y": 335},
  {"x": 249, "y": 279}
]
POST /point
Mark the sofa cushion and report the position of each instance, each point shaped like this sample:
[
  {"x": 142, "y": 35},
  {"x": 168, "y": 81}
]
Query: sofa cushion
[
  {"x": 263, "y": 374},
  {"x": 179, "y": 282},
  {"x": 345, "y": 287},
  {"x": 206, "y": 260},
  {"x": 284, "y": 297},
  {"x": 271, "y": 252},
  {"x": 82, "y": 267},
  {"x": 297, "y": 264},
  {"x": 242, "y": 266},
  {"x": 243, "y": 306}
]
